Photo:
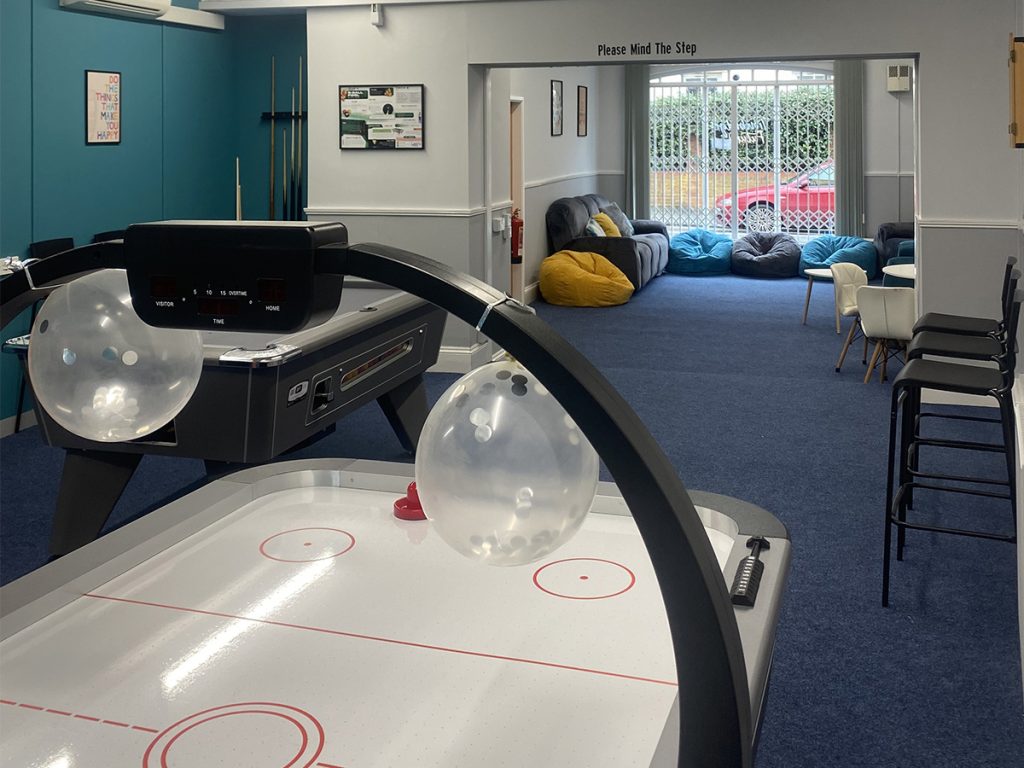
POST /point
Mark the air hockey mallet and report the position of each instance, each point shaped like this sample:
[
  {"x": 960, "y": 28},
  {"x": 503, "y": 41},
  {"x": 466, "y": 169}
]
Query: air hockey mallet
[{"x": 748, "y": 575}]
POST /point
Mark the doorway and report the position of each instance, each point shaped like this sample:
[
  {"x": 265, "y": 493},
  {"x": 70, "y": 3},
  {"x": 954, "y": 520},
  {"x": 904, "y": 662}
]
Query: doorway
[{"x": 517, "y": 193}]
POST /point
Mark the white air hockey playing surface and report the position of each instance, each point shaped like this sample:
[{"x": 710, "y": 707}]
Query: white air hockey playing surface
[{"x": 309, "y": 627}]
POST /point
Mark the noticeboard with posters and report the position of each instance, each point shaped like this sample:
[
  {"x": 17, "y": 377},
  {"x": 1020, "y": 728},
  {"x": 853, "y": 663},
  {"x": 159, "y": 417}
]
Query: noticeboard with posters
[{"x": 380, "y": 116}]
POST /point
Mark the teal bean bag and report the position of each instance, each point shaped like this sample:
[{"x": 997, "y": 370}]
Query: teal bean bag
[
  {"x": 904, "y": 255},
  {"x": 824, "y": 251},
  {"x": 699, "y": 252}
]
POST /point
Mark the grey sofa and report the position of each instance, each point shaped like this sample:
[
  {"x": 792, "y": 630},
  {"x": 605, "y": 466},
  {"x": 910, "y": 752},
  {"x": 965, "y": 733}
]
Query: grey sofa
[
  {"x": 889, "y": 237},
  {"x": 641, "y": 257}
]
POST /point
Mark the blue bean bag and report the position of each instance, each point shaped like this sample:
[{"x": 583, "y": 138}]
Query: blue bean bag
[
  {"x": 699, "y": 252},
  {"x": 824, "y": 251}
]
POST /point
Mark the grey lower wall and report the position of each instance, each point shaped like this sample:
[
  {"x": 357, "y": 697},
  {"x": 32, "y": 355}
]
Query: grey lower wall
[
  {"x": 887, "y": 197},
  {"x": 540, "y": 194},
  {"x": 976, "y": 253}
]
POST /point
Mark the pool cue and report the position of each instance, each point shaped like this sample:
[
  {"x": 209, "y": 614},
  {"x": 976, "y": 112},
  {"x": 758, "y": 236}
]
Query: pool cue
[
  {"x": 238, "y": 192},
  {"x": 284, "y": 173},
  {"x": 291, "y": 176},
  {"x": 298, "y": 188},
  {"x": 272, "y": 130}
]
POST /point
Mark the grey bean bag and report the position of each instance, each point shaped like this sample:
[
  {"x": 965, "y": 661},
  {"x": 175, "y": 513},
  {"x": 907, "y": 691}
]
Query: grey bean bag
[{"x": 766, "y": 254}]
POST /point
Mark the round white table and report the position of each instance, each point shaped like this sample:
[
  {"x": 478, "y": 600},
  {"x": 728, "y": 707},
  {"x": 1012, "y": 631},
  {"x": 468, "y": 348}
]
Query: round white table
[
  {"x": 819, "y": 274},
  {"x": 904, "y": 271}
]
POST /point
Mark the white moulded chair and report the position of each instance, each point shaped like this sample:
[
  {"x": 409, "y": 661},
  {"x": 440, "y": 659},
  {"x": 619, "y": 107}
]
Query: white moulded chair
[
  {"x": 846, "y": 279},
  {"x": 887, "y": 317}
]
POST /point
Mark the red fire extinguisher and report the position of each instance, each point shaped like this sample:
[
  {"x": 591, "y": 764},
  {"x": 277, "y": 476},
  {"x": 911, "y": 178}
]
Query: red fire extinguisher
[{"x": 517, "y": 237}]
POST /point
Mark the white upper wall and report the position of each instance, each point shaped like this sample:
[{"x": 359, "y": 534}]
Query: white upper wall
[
  {"x": 551, "y": 157},
  {"x": 418, "y": 44},
  {"x": 609, "y": 119},
  {"x": 967, "y": 170},
  {"x": 888, "y": 122}
]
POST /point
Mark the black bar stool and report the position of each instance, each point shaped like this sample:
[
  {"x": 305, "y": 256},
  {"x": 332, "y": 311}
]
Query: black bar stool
[
  {"x": 928, "y": 340},
  {"x": 988, "y": 348},
  {"x": 917, "y": 375},
  {"x": 973, "y": 326}
]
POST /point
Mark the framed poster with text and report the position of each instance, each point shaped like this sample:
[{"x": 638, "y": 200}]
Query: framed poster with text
[
  {"x": 380, "y": 116},
  {"x": 102, "y": 107}
]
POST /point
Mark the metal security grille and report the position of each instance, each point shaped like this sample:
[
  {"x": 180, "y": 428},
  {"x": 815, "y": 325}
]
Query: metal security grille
[{"x": 739, "y": 150}]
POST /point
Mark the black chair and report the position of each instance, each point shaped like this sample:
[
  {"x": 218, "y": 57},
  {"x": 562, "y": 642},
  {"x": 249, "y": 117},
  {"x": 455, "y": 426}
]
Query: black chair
[
  {"x": 989, "y": 347},
  {"x": 111, "y": 234},
  {"x": 44, "y": 248},
  {"x": 972, "y": 326},
  {"x": 918, "y": 375},
  {"x": 38, "y": 250}
]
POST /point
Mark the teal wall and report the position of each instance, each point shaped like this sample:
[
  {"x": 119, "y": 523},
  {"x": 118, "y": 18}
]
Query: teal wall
[
  {"x": 15, "y": 164},
  {"x": 191, "y": 103},
  {"x": 255, "y": 41}
]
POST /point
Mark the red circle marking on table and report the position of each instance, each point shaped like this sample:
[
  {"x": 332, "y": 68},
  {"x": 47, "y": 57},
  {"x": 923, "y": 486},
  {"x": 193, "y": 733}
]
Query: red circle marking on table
[
  {"x": 301, "y": 727},
  {"x": 292, "y": 720},
  {"x": 263, "y": 545},
  {"x": 536, "y": 578}
]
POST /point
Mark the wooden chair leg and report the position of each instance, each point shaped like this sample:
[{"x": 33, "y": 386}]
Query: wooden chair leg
[
  {"x": 864, "y": 357},
  {"x": 874, "y": 361},
  {"x": 807, "y": 300},
  {"x": 849, "y": 340}
]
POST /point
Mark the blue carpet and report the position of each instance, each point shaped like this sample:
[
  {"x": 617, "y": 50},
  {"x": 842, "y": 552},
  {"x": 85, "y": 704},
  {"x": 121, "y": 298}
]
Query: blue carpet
[{"x": 745, "y": 401}]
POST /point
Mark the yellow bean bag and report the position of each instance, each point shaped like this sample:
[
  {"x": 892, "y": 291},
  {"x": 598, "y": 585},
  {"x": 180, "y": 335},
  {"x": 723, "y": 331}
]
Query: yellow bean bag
[{"x": 576, "y": 279}]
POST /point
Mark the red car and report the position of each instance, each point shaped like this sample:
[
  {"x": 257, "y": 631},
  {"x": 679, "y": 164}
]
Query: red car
[{"x": 807, "y": 201}]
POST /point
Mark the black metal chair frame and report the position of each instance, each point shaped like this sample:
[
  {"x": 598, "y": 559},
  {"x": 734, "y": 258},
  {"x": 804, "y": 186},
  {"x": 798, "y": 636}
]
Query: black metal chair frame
[{"x": 906, "y": 409}]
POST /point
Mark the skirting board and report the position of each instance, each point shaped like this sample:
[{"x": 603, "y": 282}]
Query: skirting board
[
  {"x": 28, "y": 419},
  {"x": 462, "y": 359},
  {"x": 531, "y": 293}
]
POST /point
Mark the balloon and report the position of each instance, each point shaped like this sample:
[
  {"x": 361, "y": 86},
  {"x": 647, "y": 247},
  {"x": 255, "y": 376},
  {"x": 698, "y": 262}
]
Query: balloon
[
  {"x": 102, "y": 373},
  {"x": 504, "y": 474}
]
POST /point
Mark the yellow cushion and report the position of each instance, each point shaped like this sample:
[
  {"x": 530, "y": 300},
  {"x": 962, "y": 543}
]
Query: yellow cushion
[
  {"x": 607, "y": 224},
  {"x": 577, "y": 279}
]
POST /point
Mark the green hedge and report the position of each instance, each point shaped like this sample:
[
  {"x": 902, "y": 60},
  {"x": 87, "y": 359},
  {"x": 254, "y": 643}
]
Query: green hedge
[{"x": 807, "y": 124}]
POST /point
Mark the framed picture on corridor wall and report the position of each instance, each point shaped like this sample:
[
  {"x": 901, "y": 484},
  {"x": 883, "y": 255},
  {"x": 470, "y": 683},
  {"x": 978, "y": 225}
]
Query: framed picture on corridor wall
[
  {"x": 556, "y": 108},
  {"x": 102, "y": 107}
]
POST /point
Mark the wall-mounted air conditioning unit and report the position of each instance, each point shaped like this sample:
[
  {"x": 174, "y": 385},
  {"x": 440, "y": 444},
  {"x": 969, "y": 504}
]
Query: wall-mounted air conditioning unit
[{"x": 142, "y": 9}]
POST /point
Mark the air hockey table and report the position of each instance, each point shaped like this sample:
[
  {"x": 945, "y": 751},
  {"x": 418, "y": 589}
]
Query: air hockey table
[
  {"x": 261, "y": 394},
  {"x": 283, "y": 616}
]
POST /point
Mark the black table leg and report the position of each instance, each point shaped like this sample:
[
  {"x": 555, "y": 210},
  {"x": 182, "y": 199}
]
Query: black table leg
[
  {"x": 23, "y": 359},
  {"x": 90, "y": 486},
  {"x": 406, "y": 409}
]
